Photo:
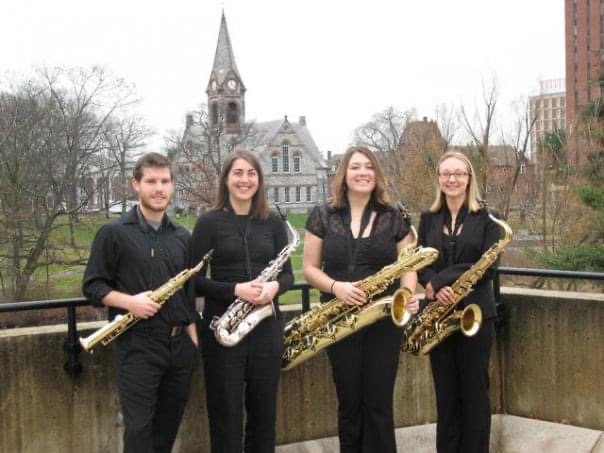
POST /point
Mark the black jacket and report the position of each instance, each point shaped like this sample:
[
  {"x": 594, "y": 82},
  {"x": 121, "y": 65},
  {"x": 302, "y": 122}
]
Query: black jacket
[{"x": 478, "y": 234}]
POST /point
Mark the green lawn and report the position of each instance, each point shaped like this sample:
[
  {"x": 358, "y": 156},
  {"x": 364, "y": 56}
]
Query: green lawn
[{"x": 65, "y": 281}]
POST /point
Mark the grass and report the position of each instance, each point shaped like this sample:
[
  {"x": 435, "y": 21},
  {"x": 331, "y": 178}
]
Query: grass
[{"x": 65, "y": 281}]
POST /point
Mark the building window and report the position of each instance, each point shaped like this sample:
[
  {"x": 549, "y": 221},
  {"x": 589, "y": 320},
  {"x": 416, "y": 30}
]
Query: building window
[
  {"x": 286, "y": 198},
  {"x": 522, "y": 168},
  {"x": 275, "y": 163},
  {"x": 285, "y": 156},
  {"x": 297, "y": 163},
  {"x": 308, "y": 194},
  {"x": 232, "y": 113},
  {"x": 214, "y": 114},
  {"x": 276, "y": 194},
  {"x": 298, "y": 193}
]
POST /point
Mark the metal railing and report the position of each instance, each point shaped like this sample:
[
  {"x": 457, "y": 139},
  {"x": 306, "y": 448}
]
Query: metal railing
[{"x": 72, "y": 346}]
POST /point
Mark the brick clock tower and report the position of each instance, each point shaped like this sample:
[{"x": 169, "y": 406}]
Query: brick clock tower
[{"x": 225, "y": 90}]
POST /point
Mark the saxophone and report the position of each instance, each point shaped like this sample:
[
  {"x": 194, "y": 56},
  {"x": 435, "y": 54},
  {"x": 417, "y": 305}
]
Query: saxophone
[
  {"x": 121, "y": 323},
  {"x": 242, "y": 316},
  {"x": 328, "y": 323},
  {"x": 437, "y": 320}
]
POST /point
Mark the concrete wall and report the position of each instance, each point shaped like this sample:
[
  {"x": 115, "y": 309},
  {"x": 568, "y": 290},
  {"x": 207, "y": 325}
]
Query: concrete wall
[{"x": 550, "y": 356}]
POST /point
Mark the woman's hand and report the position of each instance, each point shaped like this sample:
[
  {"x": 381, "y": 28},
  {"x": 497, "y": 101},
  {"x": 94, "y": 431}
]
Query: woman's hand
[
  {"x": 349, "y": 292},
  {"x": 429, "y": 291},
  {"x": 445, "y": 295},
  {"x": 412, "y": 305},
  {"x": 248, "y": 291},
  {"x": 267, "y": 294}
]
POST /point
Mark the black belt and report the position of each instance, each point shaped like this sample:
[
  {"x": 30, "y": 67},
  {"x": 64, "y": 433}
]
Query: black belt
[{"x": 176, "y": 331}]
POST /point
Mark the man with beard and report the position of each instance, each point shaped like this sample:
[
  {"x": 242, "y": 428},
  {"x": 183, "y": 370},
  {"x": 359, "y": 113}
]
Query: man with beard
[{"x": 155, "y": 358}]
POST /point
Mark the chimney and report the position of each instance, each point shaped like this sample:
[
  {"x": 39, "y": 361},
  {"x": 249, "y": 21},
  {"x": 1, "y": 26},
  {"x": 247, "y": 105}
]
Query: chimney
[
  {"x": 302, "y": 121},
  {"x": 328, "y": 155},
  {"x": 189, "y": 122}
]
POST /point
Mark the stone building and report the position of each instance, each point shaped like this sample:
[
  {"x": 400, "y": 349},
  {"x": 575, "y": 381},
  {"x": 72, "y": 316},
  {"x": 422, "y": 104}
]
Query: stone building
[{"x": 294, "y": 169}]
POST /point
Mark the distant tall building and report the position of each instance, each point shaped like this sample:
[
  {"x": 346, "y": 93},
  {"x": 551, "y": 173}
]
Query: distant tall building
[
  {"x": 584, "y": 56},
  {"x": 548, "y": 110}
]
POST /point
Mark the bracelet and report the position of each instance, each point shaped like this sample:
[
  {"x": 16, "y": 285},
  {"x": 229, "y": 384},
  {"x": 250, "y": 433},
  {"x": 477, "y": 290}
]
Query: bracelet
[{"x": 331, "y": 287}]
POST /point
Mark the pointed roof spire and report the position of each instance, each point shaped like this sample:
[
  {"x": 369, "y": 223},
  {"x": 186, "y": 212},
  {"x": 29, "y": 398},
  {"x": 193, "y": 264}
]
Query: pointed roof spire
[{"x": 224, "y": 59}]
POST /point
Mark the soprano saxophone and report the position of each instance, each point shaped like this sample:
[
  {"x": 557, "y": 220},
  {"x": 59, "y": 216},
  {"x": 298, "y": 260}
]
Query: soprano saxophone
[
  {"x": 121, "y": 323},
  {"x": 329, "y": 323},
  {"x": 437, "y": 321},
  {"x": 243, "y": 316}
]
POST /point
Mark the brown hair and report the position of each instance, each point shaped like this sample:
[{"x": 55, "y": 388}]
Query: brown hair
[
  {"x": 379, "y": 195},
  {"x": 151, "y": 160},
  {"x": 259, "y": 208},
  {"x": 472, "y": 193}
]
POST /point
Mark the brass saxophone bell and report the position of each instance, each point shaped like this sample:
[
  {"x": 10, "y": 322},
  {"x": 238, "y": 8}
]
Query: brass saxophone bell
[
  {"x": 398, "y": 308},
  {"x": 470, "y": 320}
]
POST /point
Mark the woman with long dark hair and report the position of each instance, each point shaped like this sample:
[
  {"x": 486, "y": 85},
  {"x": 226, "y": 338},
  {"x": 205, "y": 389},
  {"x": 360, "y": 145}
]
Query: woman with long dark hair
[
  {"x": 347, "y": 240},
  {"x": 245, "y": 237}
]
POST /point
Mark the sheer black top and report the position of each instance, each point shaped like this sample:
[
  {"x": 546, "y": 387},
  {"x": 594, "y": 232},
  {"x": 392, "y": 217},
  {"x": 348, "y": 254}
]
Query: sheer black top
[{"x": 374, "y": 252}]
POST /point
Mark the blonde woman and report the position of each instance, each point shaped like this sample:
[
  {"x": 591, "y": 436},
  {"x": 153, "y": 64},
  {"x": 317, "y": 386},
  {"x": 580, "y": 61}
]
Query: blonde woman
[{"x": 461, "y": 231}]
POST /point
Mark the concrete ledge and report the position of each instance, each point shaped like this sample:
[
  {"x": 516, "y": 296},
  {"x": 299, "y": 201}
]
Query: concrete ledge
[{"x": 509, "y": 434}]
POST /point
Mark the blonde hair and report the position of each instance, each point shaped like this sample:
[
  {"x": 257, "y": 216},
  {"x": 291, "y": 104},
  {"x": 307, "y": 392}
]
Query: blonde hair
[
  {"x": 379, "y": 195},
  {"x": 472, "y": 193}
]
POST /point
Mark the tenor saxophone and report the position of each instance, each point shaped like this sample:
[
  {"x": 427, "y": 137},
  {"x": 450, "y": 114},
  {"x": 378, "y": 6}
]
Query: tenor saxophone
[
  {"x": 243, "y": 316},
  {"x": 329, "y": 323},
  {"x": 437, "y": 321},
  {"x": 121, "y": 323}
]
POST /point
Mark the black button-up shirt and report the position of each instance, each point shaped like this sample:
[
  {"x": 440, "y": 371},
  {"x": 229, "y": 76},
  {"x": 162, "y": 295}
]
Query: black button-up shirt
[{"x": 129, "y": 256}]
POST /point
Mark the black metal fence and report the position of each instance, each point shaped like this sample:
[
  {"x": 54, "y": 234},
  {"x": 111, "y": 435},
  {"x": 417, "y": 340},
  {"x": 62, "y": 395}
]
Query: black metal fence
[{"x": 72, "y": 346}]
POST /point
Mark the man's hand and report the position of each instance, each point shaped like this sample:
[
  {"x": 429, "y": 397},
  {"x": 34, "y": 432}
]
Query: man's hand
[{"x": 141, "y": 306}]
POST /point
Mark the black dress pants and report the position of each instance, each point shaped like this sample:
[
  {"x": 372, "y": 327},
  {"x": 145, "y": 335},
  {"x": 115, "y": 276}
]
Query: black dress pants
[
  {"x": 460, "y": 368},
  {"x": 248, "y": 372},
  {"x": 154, "y": 373},
  {"x": 364, "y": 367}
]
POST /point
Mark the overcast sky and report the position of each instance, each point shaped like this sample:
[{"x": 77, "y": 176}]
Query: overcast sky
[{"x": 335, "y": 62}]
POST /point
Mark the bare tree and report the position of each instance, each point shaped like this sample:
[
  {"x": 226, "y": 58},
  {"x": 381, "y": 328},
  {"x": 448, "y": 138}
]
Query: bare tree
[
  {"x": 124, "y": 135},
  {"x": 480, "y": 127},
  {"x": 50, "y": 129},
  {"x": 199, "y": 152}
]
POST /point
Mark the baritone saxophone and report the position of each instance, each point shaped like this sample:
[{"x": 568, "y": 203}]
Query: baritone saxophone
[
  {"x": 121, "y": 323},
  {"x": 333, "y": 321},
  {"x": 437, "y": 321}
]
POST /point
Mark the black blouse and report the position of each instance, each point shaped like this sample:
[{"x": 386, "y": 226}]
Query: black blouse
[
  {"x": 224, "y": 232},
  {"x": 374, "y": 252}
]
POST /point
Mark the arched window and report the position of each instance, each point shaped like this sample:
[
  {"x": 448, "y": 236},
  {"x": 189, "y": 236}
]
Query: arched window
[
  {"x": 285, "y": 156},
  {"x": 214, "y": 114},
  {"x": 232, "y": 113},
  {"x": 274, "y": 163},
  {"x": 297, "y": 159}
]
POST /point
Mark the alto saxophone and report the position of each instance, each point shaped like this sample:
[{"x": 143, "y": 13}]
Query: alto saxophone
[
  {"x": 243, "y": 316},
  {"x": 328, "y": 323},
  {"x": 437, "y": 321},
  {"x": 121, "y": 323}
]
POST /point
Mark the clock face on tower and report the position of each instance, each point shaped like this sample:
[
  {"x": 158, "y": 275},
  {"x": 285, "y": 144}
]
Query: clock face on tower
[{"x": 232, "y": 84}]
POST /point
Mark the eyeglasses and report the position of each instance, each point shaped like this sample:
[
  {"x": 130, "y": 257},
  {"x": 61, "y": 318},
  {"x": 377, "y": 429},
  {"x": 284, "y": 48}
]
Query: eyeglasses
[{"x": 457, "y": 174}]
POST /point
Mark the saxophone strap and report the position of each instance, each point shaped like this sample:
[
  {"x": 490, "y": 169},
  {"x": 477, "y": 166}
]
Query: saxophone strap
[
  {"x": 351, "y": 245},
  {"x": 453, "y": 228},
  {"x": 244, "y": 232}
]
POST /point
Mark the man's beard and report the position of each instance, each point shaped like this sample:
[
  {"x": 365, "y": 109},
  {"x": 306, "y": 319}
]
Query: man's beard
[{"x": 149, "y": 207}]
